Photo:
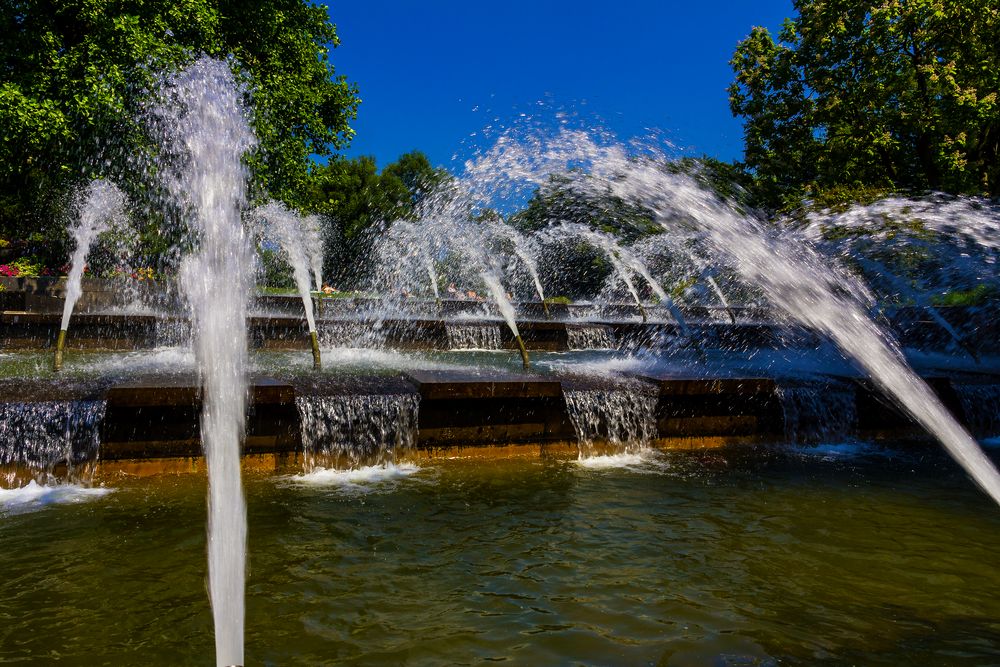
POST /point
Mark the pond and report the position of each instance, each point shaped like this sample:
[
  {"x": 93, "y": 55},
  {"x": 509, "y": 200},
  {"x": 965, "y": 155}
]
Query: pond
[{"x": 852, "y": 553}]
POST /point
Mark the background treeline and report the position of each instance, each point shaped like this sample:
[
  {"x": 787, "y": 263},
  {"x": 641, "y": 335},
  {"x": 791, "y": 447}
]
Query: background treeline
[
  {"x": 851, "y": 100},
  {"x": 877, "y": 96}
]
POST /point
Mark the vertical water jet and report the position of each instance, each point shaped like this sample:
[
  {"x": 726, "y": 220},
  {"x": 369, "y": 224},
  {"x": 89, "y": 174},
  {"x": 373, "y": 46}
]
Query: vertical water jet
[{"x": 206, "y": 132}]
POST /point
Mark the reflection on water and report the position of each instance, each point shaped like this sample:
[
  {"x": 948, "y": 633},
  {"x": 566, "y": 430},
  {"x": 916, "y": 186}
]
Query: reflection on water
[{"x": 856, "y": 554}]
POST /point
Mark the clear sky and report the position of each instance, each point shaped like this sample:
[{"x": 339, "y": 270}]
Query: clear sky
[{"x": 433, "y": 72}]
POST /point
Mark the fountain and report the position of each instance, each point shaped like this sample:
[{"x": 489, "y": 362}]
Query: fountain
[
  {"x": 798, "y": 280},
  {"x": 291, "y": 233},
  {"x": 312, "y": 240},
  {"x": 623, "y": 262},
  {"x": 99, "y": 208},
  {"x": 206, "y": 132},
  {"x": 408, "y": 383}
]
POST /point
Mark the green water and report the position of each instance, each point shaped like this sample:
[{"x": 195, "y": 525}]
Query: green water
[{"x": 722, "y": 558}]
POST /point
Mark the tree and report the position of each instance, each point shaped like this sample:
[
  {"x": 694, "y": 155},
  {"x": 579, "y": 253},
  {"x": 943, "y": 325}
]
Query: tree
[
  {"x": 895, "y": 94},
  {"x": 76, "y": 72},
  {"x": 560, "y": 201},
  {"x": 417, "y": 174},
  {"x": 358, "y": 203}
]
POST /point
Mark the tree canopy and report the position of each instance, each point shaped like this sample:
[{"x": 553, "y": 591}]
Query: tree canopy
[
  {"x": 899, "y": 94},
  {"x": 76, "y": 71},
  {"x": 358, "y": 202}
]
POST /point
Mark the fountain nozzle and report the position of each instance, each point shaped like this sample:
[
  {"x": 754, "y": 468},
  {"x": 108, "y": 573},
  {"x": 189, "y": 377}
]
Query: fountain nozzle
[
  {"x": 545, "y": 307},
  {"x": 57, "y": 361},
  {"x": 314, "y": 340},
  {"x": 524, "y": 352}
]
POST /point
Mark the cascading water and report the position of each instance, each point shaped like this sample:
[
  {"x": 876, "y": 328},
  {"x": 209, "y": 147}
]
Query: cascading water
[
  {"x": 356, "y": 430},
  {"x": 205, "y": 133},
  {"x": 624, "y": 419},
  {"x": 43, "y": 436},
  {"x": 589, "y": 337},
  {"x": 289, "y": 230},
  {"x": 99, "y": 208},
  {"x": 981, "y": 405},
  {"x": 817, "y": 412},
  {"x": 472, "y": 336}
]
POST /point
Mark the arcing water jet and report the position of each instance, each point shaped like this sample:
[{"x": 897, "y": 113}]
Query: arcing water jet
[
  {"x": 289, "y": 230},
  {"x": 99, "y": 207}
]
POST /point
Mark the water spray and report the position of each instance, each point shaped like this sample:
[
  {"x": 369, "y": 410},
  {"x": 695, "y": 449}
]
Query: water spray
[
  {"x": 292, "y": 234},
  {"x": 99, "y": 208}
]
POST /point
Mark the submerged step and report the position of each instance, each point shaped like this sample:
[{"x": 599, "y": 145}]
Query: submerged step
[
  {"x": 712, "y": 407},
  {"x": 458, "y": 384},
  {"x": 160, "y": 417},
  {"x": 468, "y": 408}
]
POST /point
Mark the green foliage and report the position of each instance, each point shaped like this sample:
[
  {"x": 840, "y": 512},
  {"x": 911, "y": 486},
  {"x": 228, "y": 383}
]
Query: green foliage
[
  {"x": 560, "y": 202},
  {"x": 416, "y": 174},
  {"x": 76, "y": 73},
  {"x": 275, "y": 269},
  {"x": 901, "y": 94},
  {"x": 978, "y": 296},
  {"x": 358, "y": 202}
]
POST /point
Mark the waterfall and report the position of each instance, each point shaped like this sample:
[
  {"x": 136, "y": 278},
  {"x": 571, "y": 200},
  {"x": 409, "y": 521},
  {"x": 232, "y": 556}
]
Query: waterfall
[
  {"x": 818, "y": 413},
  {"x": 473, "y": 336},
  {"x": 352, "y": 431},
  {"x": 624, "y": 419},
  {"x": 43, "y": 437},
  {"x": 981, "y": 405},
  {"x": 590, "y": 337}
]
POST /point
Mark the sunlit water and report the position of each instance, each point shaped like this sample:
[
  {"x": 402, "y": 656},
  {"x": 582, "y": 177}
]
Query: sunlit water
[
  {"x": 98, "y": 208},
  {"x": 33, "y": 496},
  {"x": 206, "y": 133},
  {"x": 708, "y": 558}
]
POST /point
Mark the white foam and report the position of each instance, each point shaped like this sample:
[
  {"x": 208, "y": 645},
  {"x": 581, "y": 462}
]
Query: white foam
[
  {"x": 358, "y": 480},
  {"x": 35, "y": 496},
  {"x": 589, "y": 364},
  {"x": 170, "y": 359},
  {"x": 645, "y": 461}
]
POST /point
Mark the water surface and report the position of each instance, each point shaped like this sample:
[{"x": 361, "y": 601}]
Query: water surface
[{"x": 843, "y": 554}]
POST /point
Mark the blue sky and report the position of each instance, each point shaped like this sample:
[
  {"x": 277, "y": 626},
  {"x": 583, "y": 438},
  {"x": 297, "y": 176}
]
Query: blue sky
[{"x": 432, "y": 73}]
